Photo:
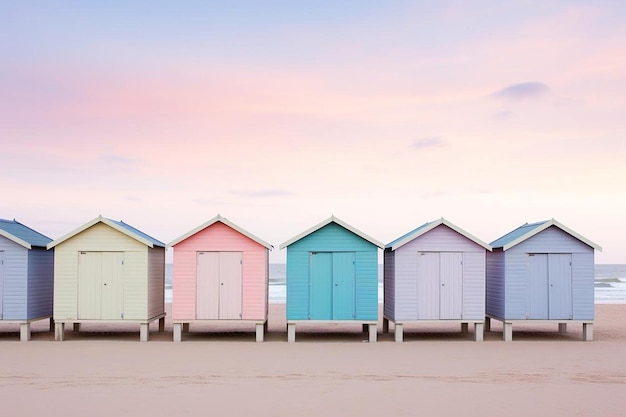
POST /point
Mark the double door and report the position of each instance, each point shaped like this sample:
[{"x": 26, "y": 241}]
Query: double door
[
  {"x": 101, "y": 285},
  {"x": 219, "y": 286},
  {"x": 332, "y": 286},
  {"x": 439, "y": 285},
  {"x": 549, "y": 286}
]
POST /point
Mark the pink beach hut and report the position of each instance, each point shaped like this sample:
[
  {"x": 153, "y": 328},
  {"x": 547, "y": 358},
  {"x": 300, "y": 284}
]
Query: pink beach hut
[{"x": 221, "y": 274}]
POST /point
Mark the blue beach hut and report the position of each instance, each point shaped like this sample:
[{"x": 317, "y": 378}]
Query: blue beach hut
[
  {"x": 332, "y": 276},
  {"x": 541, "y": 272},
  {"x": 26, "y": 276}
]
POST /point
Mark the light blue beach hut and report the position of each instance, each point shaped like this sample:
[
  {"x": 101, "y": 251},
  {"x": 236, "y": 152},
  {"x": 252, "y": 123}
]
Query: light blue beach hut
[
  {"x": 332, "y": 276},
  {"x": 26, "y": 276},
  {"x": 542, "y": 272},
  {"x": 435, "y": 273}
]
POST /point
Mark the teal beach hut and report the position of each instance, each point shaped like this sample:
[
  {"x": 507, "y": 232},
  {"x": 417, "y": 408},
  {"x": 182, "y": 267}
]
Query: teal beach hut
[{"x": 332, "y": 276}]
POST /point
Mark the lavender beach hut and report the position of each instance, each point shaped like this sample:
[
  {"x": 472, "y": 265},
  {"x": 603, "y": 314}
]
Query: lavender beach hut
[
  {"x": 221, "y": 274},
  {"x": 332, "y": 277},
  {"x": 541, "y": 272},
  {"x": 435, "y": 273},
  {"x": 26, "y": 276},
  {"x": 106, "y": 271}
]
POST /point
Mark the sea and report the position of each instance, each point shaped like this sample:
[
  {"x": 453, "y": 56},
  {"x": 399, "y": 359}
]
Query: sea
[{"x": 610, "y": 283}]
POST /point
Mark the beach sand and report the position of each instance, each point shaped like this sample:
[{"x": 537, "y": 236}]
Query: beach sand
[{"x": 329, "y": 371}]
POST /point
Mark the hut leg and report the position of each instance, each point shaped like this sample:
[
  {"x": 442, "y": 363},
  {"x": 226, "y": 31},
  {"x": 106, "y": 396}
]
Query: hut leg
[
  {"x": 266, "y": 326},
  {"x": 144, "y": 332},
  {"x": 478, "y": 332},
  {"x": 76, "y": 327},
  {"x": 24, "y": 332},
  {"x": 59, "y": 331},
  {"x": 385, "y": 325},
  {"x": 186, "y": 327},
  {"x": 259, "y": 332},
  {"x": 291, "y": 332},
  {"x": 178, "y": 332},
  {"x": 51, "y": 324},
  {"x": 464, "y": 328},
  {"x": 507, "y": 331},
  {"x": 373, "y": 331},
  {"x": 562, "y": 327},
  {"x": 398, "y": 332},
  {"x": 162, "y": 324},
  {"x": 587, "y": 332},
  {"x": 487, "y": 324}
]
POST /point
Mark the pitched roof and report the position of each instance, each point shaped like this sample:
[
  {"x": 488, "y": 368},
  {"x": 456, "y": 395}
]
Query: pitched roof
[
  {"x": 528, "y": 230},
  {"x": 120, "y": 226},
  {"x": 426, "y": 227},
  {"x": 332, "y": 219},
  {"x": 22, "y": 235},
  {"x": 224, "y": 221}
]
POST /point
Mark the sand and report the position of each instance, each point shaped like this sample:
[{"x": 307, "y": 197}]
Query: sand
[{"x": 106, "y": 371}]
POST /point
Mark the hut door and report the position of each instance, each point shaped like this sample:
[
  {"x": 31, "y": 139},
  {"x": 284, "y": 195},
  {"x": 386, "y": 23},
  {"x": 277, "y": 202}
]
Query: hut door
[
  {"x": 219, "y": 283},
  {"x": 332, "y": 286},
  {"x": 428, "y": 284},
  {"x": 112, "y": 285},
  {"x": 207, "y": 284},
  {"x": 343, "y": 286},
  {"x": 537, "y": 286},
  {"x": 1, "y": 281},
  {"x": 451, "y": 285},
  {"x": 101, "y": 285},
  {"x": 439, "y": 285},
  {"x": 230, "y": 285},
  {"x": 560, "y": 285},
  {"x": 321, "y": 286}
]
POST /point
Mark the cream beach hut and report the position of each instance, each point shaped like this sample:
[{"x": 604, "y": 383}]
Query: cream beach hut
[
  {"x": 26, "y": 276},
  {"x": 221, "y": 275},
  {"x": 106, "y": 271},
  {"x": 435, "y": 272},
  {"x": 541, "y": 272}
]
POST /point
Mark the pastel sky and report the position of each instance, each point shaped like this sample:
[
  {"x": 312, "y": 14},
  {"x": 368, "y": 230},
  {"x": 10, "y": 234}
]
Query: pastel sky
[{"x": 277, "y": 114}]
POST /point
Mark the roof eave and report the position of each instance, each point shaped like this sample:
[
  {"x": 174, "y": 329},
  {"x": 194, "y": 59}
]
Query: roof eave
[
  {"x": 332, "y": 219},
  {"x": 226, "y": 222},
  {"x": 15, "y": 239},
  {"x": 95, "y": 221}
]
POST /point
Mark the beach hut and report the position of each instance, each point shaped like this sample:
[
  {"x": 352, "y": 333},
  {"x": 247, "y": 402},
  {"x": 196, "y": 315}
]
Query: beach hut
[
  {"x": 221, "y": 274},
  {"x": 106, "y": 271},
  {"x": 332, "y": 276},
  {"x": 541, "y": 272},
  {"x": 435, "y": 273},
  {"x": 26, "y": 276}
]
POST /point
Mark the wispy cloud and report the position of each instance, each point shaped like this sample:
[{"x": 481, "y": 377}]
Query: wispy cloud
[
  {"x": 270, "y": 192},
  {"x": 522, "y": 91},
  {"x": 503, "y": 115},
  {"x": 430, "y": 142}
]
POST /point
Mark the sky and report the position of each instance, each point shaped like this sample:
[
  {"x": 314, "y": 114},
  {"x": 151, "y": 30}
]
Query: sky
[{"x": 278, "y": 114}]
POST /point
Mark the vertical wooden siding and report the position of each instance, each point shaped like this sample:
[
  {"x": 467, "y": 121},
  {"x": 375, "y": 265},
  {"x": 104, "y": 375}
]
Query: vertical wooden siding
[
  {"x": 389, "y": 287},
  {"x": 100, "y": 237},
  {"x": 219, "y": 237},
  {"x": 440, "y": 239},
  {"x": 332, "y": 238},
  {"x": 40, "y": 282},
  {"x": 15, "y": 287},
  {"x": 156, "y": 281},
  {"x": 550, "y": 240},
  {"x": 495, "y": 283}
]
